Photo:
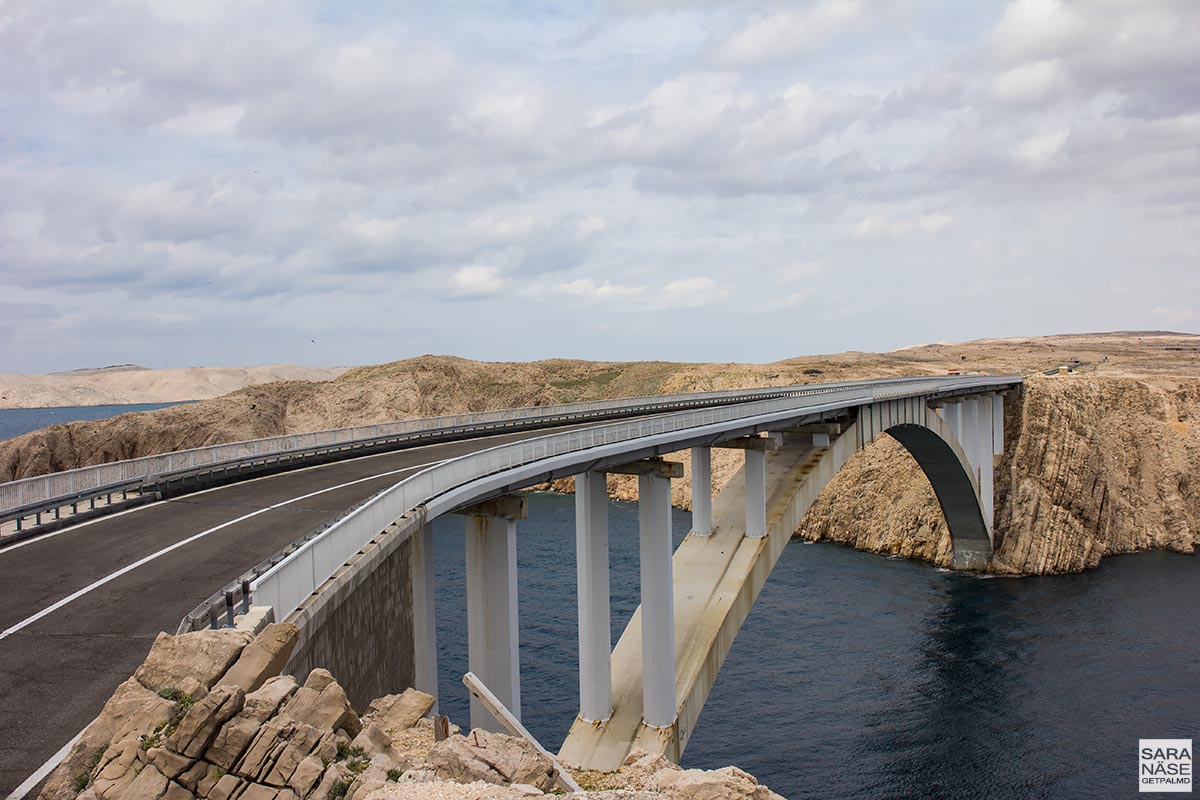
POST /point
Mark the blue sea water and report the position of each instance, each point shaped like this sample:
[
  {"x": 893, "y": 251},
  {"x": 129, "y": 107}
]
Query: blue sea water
[
  {"x": 863, "y": 676},
  {"x": 16, "y": 421}
]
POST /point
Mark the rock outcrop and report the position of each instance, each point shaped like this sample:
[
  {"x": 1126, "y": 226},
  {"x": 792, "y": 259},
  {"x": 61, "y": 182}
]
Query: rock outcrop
[{"x": 244, "y": 732}]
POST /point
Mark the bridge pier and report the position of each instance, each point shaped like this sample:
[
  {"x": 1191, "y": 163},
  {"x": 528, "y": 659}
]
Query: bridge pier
[
  {"x": 702, "y": 491},
  {"x": 658, "y": 610},
  {"x": 756, "y": 493},
  {"x": 493, "y": 651},
  {"x": 591, "y": 566},
  {"x": 425, "y": 677}
]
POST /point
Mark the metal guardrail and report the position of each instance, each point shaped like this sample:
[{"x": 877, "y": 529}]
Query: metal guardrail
[
  {"x": 31, "y": 497},
  {"x": 287, "y": 584}
]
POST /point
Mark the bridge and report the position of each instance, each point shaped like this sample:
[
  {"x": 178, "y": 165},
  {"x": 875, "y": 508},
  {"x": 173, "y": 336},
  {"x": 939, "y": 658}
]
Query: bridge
[{"x": 118, "y": 552}]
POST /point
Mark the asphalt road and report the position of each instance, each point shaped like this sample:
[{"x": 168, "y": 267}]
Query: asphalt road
[{"x": 57, "y": 671}]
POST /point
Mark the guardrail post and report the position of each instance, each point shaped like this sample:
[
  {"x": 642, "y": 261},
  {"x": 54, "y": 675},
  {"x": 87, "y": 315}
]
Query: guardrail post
[
  {"x": 591, "y": 566},
  {"x": 425, "y": 665},
  {"x": 702, "y": 491},
  {"x": 493, "y": 642},
  {"x": 658, "y": 605}
]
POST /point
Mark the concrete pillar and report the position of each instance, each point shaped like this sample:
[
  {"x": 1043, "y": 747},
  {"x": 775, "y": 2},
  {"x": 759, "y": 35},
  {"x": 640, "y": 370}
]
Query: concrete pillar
[
  {"x": 658, "y": 613},
  {"x": 756, "y": 493},
  {"x": 950, "y": 415},
  {"x": 968, "y": 424},
  {"x": 702, "y": 491},
  {"x": 492, "y": 638},
  {"x": 425, "y": 676},
  {"x": 997, "y": 424},
  {"x": 591, "y": 567}
]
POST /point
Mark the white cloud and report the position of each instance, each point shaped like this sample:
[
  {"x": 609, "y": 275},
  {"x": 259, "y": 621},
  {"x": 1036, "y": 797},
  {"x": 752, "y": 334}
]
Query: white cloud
[
  {"x": 478, "y": 281},
  {"x": 788, "y": 33},
  {"x": 1175, "y": 315},
  {"x": 1042, "y": 149},
  {"x": 589, "y": 226},
  {"x": 1030, "y": 83},
  {"x": 884, "y": 227}
]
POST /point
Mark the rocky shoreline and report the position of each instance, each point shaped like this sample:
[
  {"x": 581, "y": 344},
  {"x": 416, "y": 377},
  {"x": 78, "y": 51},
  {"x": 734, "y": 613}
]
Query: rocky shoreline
[{"x": 208, "y": 715}]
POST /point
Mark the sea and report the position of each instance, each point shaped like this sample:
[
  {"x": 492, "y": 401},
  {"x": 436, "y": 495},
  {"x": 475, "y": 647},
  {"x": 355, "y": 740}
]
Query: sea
[
  {"x": 859, "y": 675},
  {"x": 16, "y": 421}
]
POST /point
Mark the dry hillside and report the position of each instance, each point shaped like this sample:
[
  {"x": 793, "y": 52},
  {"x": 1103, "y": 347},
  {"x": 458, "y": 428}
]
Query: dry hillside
[{"x": 128, "y": 383}]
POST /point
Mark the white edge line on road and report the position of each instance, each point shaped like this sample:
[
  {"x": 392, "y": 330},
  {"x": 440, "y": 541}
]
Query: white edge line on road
[
  {"x": 146, "y": 559},
  {"x": 54, "y": 760},
  {"x": 72, "y": 528},
  {"x": 44, "y": 770}
]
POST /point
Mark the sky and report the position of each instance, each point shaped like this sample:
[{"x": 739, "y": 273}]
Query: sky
[{"x": 242, "y": 182}]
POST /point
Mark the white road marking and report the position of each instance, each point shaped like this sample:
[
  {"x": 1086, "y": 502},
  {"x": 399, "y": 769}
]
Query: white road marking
[
  {"x": 44, "y": 770},
  {"x": 129, "y": 568},
  {"x": 72, "y": 528}
]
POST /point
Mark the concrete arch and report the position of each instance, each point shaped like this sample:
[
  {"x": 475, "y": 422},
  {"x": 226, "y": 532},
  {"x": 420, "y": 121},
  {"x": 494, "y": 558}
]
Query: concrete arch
[{"x": 957, "y": 494}]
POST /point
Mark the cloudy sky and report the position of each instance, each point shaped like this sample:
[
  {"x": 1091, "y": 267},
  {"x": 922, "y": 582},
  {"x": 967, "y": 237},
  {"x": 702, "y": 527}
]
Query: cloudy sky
[{"x": 224, "y": 183}]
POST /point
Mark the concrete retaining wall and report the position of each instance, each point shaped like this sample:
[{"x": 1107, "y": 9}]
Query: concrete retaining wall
[{"x": 359, "y": 623}]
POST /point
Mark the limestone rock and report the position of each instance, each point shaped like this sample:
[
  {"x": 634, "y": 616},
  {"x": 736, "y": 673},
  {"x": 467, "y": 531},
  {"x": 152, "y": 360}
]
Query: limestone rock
[
  {"x": 231, "y": 741},
  {"x": 193, "y": 688},
  {"x": 177, "y": 792},
  {"x": 168, "y": 763},
  {"x": 307, "y": 774},
  {"x": 263, "y": 658},
  {"x": 133, "y": 710},
  {"x": 400, "y": 711},
  {"x": 257, "y": 791},
  {"x": 374, "y": 740},
  {"x": 227, "y": 786},
  {"x": 324, "y": 707},
  {"x": 150, "y": 784},
  {"x": 491, "y": 757},
  {"x": 202, "y": 655},
  {"x": 115, "y": 770},
  {"x": 200, "y": 724},
  {"x": 318, "y": 679},
  {"x": 279, "y": 748},
  {"x": 337, "y": 773},
  {"x": 204, "y": 787},
  {"x": 728, "y": 783},
  {"x": 191, "y": 777}
]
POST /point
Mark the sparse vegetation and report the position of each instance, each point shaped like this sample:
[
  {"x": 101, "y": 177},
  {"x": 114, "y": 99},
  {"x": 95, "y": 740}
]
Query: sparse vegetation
[{"x": 338, "y": 790}]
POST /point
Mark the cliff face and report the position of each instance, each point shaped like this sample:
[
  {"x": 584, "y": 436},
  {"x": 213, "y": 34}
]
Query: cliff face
[{"x": 1094, "y": 466}]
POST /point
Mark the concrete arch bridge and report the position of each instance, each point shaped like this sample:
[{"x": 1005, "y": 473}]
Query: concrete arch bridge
[{"x": 649, "y": 690}]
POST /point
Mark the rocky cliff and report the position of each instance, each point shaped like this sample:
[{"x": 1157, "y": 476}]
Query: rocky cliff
[{"x": 1094, "y": 466}]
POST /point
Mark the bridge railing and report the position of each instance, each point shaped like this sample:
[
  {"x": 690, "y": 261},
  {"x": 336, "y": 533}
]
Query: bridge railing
[
  {"x": 28, "y": 496},
  {"x": 286, "y": 585}
]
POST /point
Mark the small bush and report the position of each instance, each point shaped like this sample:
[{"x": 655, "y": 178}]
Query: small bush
[
  {"x": 338, "y": 790},
  {"x": 394, "y": 774}
]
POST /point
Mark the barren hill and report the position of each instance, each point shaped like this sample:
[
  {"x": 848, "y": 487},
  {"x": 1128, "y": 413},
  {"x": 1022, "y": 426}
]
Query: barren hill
[{"x": 129, "y": 383}]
